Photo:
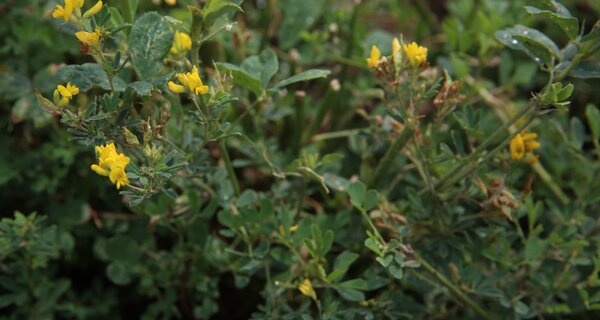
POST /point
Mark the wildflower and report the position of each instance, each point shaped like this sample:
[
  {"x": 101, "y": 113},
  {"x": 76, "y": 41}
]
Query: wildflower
[
  {"x": 171, "y": 2},
  {"x": 521, "y": 144},
  {"x": 190, "y": 81},
  {"x": 373, "y": 60},
  {"x": 395, "y": 47},
  {"x": 89, "y": 38},
  {"x": 307, "y": 289},
  {"x": 181, "y": 43},
  {"x": 111, "y": 164},
  {"x": 65, "y": 12},
  {"x": 415, "y": 53},
  {"x": 93, "y": 10},
  {"x": 64, "y": 94}
]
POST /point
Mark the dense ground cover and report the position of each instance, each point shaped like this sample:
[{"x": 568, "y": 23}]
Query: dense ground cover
[{"x": 315, "y": 159}]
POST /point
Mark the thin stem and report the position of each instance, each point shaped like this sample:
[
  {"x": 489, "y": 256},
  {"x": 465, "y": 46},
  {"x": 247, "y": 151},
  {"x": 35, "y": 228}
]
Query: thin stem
[
  {"x": 475, "y": 165},
  {"x": 229, "y": 167},
  {"x": 454, "y": 288},
  {"x": 392, "y": 153},
  {"x": 482, "y": 146}
]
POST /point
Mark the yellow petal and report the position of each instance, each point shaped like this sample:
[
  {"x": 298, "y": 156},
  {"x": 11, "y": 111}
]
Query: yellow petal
[
  {"x": 72, "y": 89},
  {"x": 517, "y": 147},
  {"x": 93, "y": 10},
  {"x": 68, "y": 10},
  {"x": 395, "y": 47},
  {"x": 63, "y": 91},
  {"x": 59, "y": 12},
  {"x": 99, "y": 170},
  {"x": 307, "y": 289},
  {"x": 175, "y": 87}
]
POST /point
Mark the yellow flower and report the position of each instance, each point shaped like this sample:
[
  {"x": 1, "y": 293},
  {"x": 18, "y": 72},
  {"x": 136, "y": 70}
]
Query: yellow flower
[
  {"x": 59, "y": 13},
  {"x": 395, "y": 47},
  {"x": 64, "y": 94},
  {"x": 373, "y": 60},
  {"x": 93, "y": 10},
  {"x": 522, "y": 143},
  {"x": 66, "y": 11},
  {"x": 307, "y": 289},
  {"x": 191, "y": 81},
  {"x": 181, "y": 43},
  {"x": 111, "y": 164},
  {"x": 171, "y": 2},
  {"x": 90, "y": 38},
  {"x": 416, "y": 54},
  {"x": 517, "y": 147}
]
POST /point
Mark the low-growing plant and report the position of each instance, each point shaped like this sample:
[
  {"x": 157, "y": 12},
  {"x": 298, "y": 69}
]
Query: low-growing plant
[{"x": 235, "y": 164}]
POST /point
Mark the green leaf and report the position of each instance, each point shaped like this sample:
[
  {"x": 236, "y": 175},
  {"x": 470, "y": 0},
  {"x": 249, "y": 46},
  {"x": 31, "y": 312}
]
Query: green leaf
[
  {"x": 534, "y": 248},
  {"x": 88, "y": 76},
  {"x": 142, "y": 88},
  {"x": 586, "y": 70},
  {"x": 357, "y": 192},
  {"x": 357, "y": 284},
  {"x": 118, "y": 274},
  {"x": 215, "y": 9},
  {"x": 565, "y": 92},
  {"x": 248, "y": 197},
  {"x": 593, "y": 118},
  {"x": 127, "y": 8},
  {"x": 541, "y": 52},
  {"x": 506, "y": 36},
  {"x": 303, "y": 76},
  {"x": 371, "y": 200},
  {"x": 372, "y": 245},
  {"x": 351, "y": 294},
  {"x": 262, "y": 66},
  {"x": 570, "y": 25},
  {"x": 242, "y": 78},
  {"x": 123, "y": 249},
  {"x": 150, "y": 40},
  {"x": 577, "y": 132},
  {"x": 385, "y": 261},
  {"x": 396, "y": 271},
  {"x": 341, "y": 265},
  {"x": 327, "y": 243},
  {"x": 46, "y": 104},
  {"x": 299, "y": 16}
]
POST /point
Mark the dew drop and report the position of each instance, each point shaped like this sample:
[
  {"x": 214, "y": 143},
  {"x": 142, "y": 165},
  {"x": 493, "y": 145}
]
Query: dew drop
[
  {"x": 525, "y": 31},
  {"x": 537, "y": 59},
  {"x": 515, "y": 41}
]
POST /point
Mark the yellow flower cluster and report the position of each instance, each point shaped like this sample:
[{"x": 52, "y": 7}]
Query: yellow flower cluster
[
  {"x": 190, "y": 81},
  {"x": 415, "y": 54},
  {"x": 181, "y": 43},
  {"x": 91, "y": 39},
  {"x": 74, "y": 6},
  {"x": 111, "y": 164},
  {"x": 307, "y": 289},
  {"x": 373, "y": 60},
  {"x": 523, "y": 143},
  {"x": 64, "y": 94}
]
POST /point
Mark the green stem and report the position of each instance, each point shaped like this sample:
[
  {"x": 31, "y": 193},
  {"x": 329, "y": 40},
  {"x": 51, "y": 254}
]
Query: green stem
[
  {"x": 229, "y": 167},
  {"x": 338, "y": 134},
  {"x": 392, "y": 153},
  {"x": 475, "y": 164},
  {"x": 482, "y": 147},
  {"x": 454, "y": 288}
]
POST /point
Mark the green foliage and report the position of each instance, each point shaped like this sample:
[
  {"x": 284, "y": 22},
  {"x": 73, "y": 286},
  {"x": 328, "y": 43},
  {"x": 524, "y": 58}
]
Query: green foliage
[{"x": 300, "y": 183}]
